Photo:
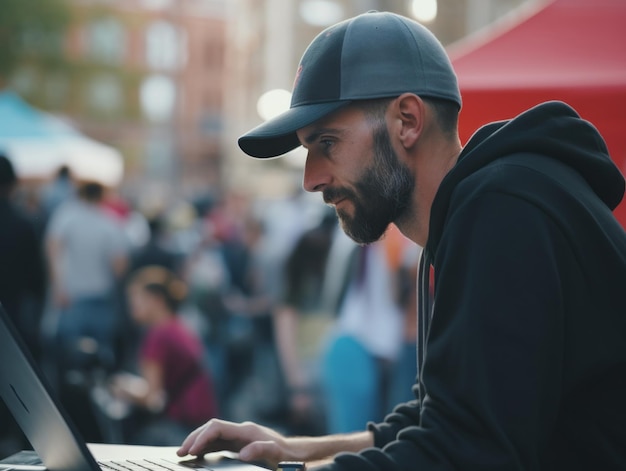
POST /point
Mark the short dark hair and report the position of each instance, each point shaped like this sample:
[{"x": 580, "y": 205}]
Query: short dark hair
[
  {"x": 91, "y": 191},
  {"x": 446, "y": 111},
  {"x": 162, "y": 283},
  {"x": 64, "y": 172},
  {"x": 375, "y": 109},
  {"x": 8, "y": 178}
]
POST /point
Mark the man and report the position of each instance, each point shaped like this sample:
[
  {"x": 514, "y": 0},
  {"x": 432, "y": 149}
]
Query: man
[
  {"x": 22, "y": 267},
  {"x": 22, "y": 283},
  {"x": 523, "y": 356},
  {"x": 87, "y": 252},
  {"x": 57, "y": 191}
]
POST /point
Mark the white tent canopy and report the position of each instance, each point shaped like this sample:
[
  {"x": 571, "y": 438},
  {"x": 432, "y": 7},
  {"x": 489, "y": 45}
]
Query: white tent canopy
[{"x": 38, "y": 144}]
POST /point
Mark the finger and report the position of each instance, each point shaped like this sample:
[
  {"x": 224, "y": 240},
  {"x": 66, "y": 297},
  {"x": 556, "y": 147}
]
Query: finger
[
  {"x": 188, "y": 442},
  {"x": 266, "y": 451},
  {"x": 215, "y": 435},
  {"x": 199, "y": 439}
]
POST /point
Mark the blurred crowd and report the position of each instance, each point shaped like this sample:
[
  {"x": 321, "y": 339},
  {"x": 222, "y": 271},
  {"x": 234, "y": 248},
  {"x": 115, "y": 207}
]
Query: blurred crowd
[{"x": 148, "y": 320}]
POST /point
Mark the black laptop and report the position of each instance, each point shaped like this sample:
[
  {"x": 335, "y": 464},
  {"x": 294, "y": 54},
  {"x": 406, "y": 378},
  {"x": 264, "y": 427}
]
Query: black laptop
[{"x": 56, "y": 440}]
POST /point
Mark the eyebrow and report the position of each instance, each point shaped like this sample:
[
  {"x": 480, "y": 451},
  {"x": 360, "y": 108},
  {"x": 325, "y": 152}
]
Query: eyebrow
[{"x": 313, "y": 136}]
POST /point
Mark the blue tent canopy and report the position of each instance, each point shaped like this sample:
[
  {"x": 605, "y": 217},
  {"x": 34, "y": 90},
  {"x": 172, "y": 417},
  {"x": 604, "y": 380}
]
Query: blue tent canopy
[
  {"x": 20, "y": 120},
  {"x": 38, "y": 143}
]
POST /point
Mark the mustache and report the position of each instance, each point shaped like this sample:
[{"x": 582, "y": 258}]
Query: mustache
[{"x": 332, "y": 195}]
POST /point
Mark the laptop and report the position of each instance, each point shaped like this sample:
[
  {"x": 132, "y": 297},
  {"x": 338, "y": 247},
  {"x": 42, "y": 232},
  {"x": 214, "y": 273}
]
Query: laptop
[{"x": 56, "y": 441}]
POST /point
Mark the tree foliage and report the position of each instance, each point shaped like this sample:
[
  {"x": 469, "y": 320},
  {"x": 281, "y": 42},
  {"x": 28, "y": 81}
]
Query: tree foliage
[{"x": 31, "y": 28}]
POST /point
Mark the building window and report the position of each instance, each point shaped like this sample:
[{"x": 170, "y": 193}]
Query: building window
[
  {"x": 56, "y": 90},
  {"x": 158, "y": 98},
  {"x": 25, "y": 80},
  {"x": 106, "y": 40},
  {"x": 321, "y": 13},
  {"x": 104, "y": 95},
  {"x": 165, "y": 46},
  {"x": 211, "y": 122},
  {"x": 42, "y": 42},
  {"x": 157, "y": 5}
]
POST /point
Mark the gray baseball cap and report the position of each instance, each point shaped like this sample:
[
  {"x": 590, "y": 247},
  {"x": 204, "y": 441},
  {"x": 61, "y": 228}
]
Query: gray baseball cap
[{"x": 373, "y": 55}]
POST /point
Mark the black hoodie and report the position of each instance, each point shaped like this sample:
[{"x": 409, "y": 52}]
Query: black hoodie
[{"x": 523, "y": 359}]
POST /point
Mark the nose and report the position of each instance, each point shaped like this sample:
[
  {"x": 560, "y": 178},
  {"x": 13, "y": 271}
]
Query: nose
[{"x": 316, "y": 174}]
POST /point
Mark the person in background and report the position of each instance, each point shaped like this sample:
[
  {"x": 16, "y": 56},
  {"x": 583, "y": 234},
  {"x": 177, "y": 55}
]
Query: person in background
[
  {"x": 346, "y": 305},
  {"x": 57, "y": 191},
  {"x": 253, "y": 370},
  {"x": 155, "y": 251},
  {"x": 522, "y": 357},
  {"x": 87, "y": 255},
  {"x": 22, "y": 267},
  {"x": 301, "y": 324},
  {"x": 22, "y": 285},
  {"x": 365, "y": 342},
  {"x": 208, "y": 277},
  {"x": 174, "y": 385}
]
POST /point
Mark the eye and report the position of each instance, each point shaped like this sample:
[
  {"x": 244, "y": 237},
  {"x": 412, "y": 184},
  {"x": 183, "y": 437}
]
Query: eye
[{"x": 326, "y": 144}]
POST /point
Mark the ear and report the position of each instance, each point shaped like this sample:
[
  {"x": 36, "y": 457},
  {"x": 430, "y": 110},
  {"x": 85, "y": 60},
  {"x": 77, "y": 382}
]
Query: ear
[{"x": 410, "y": 115}]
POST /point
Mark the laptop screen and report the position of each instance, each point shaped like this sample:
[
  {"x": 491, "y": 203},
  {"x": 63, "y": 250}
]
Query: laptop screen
[{"x": 26, "y": 393}]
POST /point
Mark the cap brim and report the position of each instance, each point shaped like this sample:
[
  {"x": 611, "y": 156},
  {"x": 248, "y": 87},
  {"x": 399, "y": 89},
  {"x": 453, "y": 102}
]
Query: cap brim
[{"x": 278, "y": 136}]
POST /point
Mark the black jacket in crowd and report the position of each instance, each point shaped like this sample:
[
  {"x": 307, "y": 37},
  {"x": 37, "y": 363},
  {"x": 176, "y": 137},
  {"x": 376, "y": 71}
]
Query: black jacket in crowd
[
  {"x": 523, "y": 359},
  {"x": 22, "y": 271}
]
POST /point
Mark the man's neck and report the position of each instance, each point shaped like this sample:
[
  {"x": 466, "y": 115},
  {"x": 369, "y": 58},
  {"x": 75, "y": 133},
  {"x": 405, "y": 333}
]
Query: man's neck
[{"x": 433, "y": 165}]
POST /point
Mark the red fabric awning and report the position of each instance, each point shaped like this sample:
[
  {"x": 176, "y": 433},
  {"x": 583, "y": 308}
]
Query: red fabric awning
[{"x": 570, "y": 50}]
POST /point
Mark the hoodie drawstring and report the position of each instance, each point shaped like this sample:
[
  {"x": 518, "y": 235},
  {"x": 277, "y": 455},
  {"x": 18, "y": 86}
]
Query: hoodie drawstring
[{"x": 423, "y": 290}]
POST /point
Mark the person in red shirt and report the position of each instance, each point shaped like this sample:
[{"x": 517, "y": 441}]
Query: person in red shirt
[{"x": 174, "y": 385}]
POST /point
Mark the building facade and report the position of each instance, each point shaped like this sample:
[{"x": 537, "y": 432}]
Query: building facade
[{"x": 146, "y": 76}]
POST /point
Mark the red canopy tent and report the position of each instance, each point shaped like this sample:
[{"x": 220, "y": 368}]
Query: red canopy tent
[{"x": 569, "y": 50}]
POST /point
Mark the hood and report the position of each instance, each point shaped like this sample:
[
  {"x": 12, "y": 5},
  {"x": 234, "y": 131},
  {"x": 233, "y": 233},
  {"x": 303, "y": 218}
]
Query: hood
[{"x": 552, "y": 129}]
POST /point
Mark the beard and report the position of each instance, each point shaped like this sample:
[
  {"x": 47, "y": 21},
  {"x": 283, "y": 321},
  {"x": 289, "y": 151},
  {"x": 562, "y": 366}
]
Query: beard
[{"x": 381, "y": 196}]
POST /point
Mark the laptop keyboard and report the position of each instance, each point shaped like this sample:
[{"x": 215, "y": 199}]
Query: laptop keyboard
[{"x": 139, "y": 465}]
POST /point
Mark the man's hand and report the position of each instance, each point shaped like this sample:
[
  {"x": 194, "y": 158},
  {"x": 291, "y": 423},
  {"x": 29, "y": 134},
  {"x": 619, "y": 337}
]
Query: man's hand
[
  {"x": 258, "y": 443},
  {"x": 253, "y": 442}
]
